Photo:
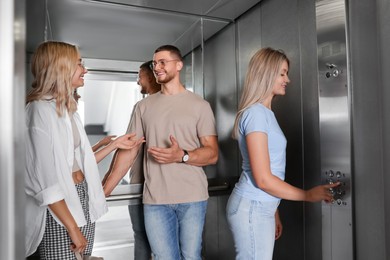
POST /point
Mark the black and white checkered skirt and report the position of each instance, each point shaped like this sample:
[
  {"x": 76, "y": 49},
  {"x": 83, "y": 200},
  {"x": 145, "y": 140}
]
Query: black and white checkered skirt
[{"x": 56, "y": 242}]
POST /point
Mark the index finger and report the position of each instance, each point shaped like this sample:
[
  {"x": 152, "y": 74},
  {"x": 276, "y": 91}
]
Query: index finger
[{"x": 332, "y": 185}]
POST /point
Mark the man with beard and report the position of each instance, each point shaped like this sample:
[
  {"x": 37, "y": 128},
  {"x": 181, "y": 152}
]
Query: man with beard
[{"x": 181, "y": 138}]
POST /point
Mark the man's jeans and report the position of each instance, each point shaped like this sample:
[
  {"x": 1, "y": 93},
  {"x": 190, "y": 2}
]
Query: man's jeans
[{"x": 175, "y": 230}]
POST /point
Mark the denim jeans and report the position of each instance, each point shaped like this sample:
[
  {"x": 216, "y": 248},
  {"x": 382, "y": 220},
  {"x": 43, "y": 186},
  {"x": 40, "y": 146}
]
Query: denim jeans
[
  {"x": 175, "y": 230},
  {"x": 142, "y": 249},
  {"x": 253, "y": 226}
]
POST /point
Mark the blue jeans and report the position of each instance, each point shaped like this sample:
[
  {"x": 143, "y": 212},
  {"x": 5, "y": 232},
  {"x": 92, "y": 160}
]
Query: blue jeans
[
  {"x": 253, "y": 226},
  {"x": 175, "y": 230},
  {"x": 142, "y": 249}
]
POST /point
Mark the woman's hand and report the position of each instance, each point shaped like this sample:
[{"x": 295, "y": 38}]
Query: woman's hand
[
  {"x": 278, "y": 225},
  {"x": 321, "y": 192},
  {"x": 79, "y": 242},
  {"x": 60, "y": 209},
  {"x": 127, "y": 141}
]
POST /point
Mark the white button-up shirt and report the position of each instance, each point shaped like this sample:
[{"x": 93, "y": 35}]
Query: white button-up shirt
[{"x": 49, "y": 158}]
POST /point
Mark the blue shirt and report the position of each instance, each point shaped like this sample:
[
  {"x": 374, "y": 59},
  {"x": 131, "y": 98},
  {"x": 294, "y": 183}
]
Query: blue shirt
[{"x": 258, "y": 118}]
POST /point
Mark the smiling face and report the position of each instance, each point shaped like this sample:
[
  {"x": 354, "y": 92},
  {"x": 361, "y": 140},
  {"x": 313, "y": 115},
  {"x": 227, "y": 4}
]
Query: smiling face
[
  {"x": 281, "y": 80},
  {"x": 165, "y": 66},
  {"x": 78, "y": 75}
]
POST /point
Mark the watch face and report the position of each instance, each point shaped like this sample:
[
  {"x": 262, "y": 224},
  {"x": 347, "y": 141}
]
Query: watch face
[{"x": 186, "y": 157}]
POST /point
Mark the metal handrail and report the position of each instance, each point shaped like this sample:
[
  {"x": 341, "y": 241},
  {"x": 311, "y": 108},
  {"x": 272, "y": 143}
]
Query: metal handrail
[{"x": 213, "y": 190}]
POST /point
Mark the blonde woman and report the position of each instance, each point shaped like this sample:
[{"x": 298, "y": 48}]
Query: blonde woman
[
  {"x": 252, "y": 207},
  {"x": 62, "y": 184}
]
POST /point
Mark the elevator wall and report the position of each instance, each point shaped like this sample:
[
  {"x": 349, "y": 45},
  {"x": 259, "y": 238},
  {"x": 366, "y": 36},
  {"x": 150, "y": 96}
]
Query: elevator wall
[
  {"x": 369, "y": 58},
  {"x": 290, "y": 26},
  {"x": 383, "y": 7},
  {"x": 12, "y": 75}
]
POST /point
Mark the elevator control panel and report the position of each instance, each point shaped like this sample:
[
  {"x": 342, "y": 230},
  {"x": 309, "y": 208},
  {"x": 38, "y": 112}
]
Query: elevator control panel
[{"x": 341, "y": 192}]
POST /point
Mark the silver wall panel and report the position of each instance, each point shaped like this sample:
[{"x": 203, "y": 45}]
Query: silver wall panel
[
  {"x": 12, "y": 74},
  {"x": 220, "y": 91},
  {"x": 248, "y": 42},
  {"x": 369, "y": 125},
  {"x": 310, "y": 125},
  {"x": 335, "y": 121},
  {"x": 383, "y": 10}
]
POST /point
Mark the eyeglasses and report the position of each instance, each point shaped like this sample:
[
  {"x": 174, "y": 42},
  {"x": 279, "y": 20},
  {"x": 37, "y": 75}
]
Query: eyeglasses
[{"x": 161, "y": 63}]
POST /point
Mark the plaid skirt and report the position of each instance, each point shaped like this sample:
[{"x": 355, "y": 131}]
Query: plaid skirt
[{"x": 56, "y": 242}]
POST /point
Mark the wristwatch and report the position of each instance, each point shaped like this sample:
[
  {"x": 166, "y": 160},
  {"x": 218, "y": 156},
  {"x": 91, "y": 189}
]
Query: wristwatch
[{"x": 185, "y": 156}]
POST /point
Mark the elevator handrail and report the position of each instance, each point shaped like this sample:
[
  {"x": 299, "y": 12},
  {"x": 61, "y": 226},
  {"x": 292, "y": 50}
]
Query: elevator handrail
[{"x": 133, "y": 193}]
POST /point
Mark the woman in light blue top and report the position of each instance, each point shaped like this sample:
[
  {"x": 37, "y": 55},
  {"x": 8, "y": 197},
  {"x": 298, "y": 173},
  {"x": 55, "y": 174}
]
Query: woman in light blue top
[{"x": 252, "y": 207}]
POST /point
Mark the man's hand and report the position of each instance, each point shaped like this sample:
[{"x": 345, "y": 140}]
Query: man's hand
[{"x": 173, "y": 154}]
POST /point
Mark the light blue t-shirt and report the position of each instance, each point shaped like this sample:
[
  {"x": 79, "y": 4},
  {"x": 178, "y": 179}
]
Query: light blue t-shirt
[{"x": 258, "y": 118}]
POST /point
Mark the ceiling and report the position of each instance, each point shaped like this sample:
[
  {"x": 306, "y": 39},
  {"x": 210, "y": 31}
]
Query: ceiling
[{"x": 129, "y": 30}]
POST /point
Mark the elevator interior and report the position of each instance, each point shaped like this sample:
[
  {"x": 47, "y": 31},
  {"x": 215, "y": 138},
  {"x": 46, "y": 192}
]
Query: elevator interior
[{"x": 218, "y": 39}]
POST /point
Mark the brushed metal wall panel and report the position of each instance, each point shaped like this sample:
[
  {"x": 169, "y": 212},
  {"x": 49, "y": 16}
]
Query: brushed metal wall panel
[
  {"x": 335, "y": 121},
  {"x": 310, "y": 124},
  {"x": 383, "y": 9},
  {"x": 248, "y": 42},
  {"x": 220, "y": 91},
  {"x": 369, "y": 118},
  {"x": 12, "y": 154}
]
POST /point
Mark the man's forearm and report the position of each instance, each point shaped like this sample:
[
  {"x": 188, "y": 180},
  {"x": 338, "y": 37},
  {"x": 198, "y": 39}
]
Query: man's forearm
[{"x": 203, "y": 156}]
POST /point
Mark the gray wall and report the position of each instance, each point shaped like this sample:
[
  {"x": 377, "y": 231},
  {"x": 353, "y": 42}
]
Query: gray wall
[
  {"x": 383, "y": 10},
  {"x": 221, "y": 92},
  {"x": 369, "y": 41}
]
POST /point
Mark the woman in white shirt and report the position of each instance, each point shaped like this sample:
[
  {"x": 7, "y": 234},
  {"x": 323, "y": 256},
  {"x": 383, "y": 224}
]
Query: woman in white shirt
[{"x": 63, "y": 188}]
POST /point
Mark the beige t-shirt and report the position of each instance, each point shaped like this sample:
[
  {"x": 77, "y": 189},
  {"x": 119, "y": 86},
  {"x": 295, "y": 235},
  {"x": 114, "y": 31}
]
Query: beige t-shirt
[
  {"x": 185, "y": 116},
  {"x": 136, "y": 170}
]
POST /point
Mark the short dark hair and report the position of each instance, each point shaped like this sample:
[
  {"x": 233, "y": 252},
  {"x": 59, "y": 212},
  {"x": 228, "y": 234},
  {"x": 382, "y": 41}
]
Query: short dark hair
[
  {"x": 147, "y": 66},
  {"x": 172, "y": 49}
]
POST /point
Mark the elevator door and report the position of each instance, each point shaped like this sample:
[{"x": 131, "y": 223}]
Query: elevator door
[{"x": 335, "y": 134}]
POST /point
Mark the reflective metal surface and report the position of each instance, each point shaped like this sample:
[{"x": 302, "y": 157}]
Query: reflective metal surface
[
  {"x": 335, "y": 123},
  {"x": 12, "y": 75},
  {"x": 128, "y": 30}
]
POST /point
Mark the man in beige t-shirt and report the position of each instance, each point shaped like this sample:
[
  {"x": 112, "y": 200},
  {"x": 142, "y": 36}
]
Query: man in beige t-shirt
[{"x": 179, "y": 129}]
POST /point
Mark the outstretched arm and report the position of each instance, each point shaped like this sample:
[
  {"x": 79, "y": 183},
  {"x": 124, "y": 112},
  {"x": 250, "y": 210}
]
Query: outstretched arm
[
  {"x": 257, "y": 143},
  {"x": 127, "y": 141},
  {"x": 122, "y": 161},
  {"x": 103, "y": 142}
]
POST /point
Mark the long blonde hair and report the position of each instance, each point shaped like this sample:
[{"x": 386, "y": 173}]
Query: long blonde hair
[
  {"x": 53, "y": 65},
  {"x": 263, "y": 69}
]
